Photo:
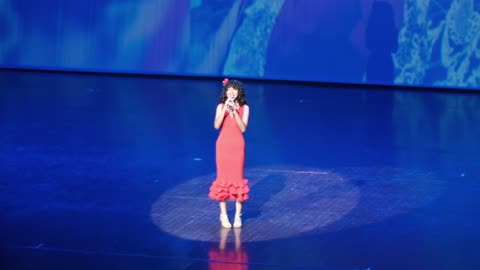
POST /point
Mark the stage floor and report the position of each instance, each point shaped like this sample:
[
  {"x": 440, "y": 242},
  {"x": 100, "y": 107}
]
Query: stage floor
[{"x": 112, "y": 172}]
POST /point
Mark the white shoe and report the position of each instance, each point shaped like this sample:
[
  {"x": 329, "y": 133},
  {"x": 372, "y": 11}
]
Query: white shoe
[
  {"x": 225, "y": 222},
  {"x": 238, "y": 221}
]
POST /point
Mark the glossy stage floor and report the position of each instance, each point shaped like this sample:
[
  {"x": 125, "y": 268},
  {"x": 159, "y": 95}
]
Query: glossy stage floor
[{"x": 112, "y": 172}]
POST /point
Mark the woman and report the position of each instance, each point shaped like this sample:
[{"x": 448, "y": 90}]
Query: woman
[{"x": 232, "y": 119}]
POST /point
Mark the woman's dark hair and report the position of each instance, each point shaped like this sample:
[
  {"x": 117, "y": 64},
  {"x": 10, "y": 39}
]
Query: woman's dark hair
[{"x": 238, "y": 85}]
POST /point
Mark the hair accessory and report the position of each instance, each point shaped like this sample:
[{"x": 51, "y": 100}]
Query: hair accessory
[{"x": 225, "y": 81}]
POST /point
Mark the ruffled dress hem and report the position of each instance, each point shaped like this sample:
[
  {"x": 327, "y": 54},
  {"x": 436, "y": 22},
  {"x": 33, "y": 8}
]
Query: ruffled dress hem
[{"x": 221, "y": 191}]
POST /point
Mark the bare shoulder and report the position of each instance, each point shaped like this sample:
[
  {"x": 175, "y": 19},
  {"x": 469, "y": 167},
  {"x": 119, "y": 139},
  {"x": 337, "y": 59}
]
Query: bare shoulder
[
  {"x": 245, "y": 107},
  {"x": 219, "y": 106}
]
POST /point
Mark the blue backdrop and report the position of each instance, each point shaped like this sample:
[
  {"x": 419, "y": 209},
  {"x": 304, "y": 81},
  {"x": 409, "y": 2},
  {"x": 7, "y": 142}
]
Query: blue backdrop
[{"x": 406, "y": 42}]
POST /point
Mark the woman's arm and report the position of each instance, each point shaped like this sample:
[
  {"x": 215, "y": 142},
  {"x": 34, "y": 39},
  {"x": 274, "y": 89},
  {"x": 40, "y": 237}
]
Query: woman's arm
[
  {"x": 242, "y": 122},
  {"x": 219, "y": 116}
]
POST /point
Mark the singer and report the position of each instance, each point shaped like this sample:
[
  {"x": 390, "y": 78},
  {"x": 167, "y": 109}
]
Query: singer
[{"x": 232, "y": 119}]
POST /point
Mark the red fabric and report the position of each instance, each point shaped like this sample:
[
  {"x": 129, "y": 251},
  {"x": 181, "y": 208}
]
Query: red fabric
[{"x": 230, "y": 158}]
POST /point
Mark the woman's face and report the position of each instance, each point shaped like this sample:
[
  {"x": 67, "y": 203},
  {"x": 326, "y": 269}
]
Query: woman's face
[{"x": 232, "y": 92}]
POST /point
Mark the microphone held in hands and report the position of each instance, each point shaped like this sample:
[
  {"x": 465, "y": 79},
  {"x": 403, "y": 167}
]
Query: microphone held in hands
[{"x": 230, "y": 104}]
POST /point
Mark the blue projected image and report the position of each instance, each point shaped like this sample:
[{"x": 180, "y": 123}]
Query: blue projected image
[
  {"x": 439, "y": 44},
  {"x": 405, "y": 42}
]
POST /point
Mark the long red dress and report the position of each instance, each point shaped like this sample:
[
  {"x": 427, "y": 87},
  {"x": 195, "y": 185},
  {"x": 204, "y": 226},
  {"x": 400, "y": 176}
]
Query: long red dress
[{"x": 230, "y": 158}]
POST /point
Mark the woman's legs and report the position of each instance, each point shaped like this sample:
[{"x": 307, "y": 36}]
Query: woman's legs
[
  {"x": 223, "y": 215},
  {"x": 238, "y": 215}
]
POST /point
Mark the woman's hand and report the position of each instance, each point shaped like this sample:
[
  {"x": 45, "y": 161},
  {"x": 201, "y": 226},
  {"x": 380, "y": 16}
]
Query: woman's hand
[
  {"x": 231, "y": 107},
  {"x": 225, "y": 108}
]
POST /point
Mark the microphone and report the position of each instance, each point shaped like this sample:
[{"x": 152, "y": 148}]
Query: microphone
[{"x": 231, "y": 98}]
